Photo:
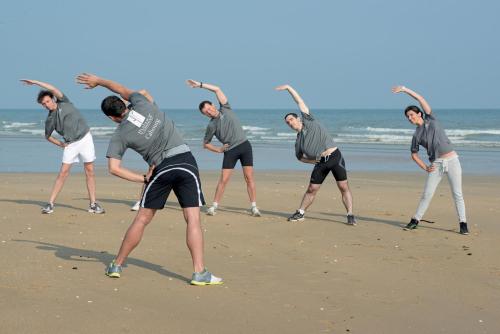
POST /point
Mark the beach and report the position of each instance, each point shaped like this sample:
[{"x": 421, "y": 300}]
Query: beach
[{"x": 315, "y": 276}]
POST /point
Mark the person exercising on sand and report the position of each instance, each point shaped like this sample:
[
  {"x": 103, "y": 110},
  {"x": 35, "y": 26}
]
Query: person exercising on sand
[
  {"x": 315, "y": 145},
  {"x": 145, "y": 129},
  {"x": 226, "y": 127},
  {"x": 66, "y": 120},
  {"x": 443, "y": 159}
]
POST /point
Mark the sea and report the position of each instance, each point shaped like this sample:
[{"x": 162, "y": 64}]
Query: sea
[{"x": 374, "y": 140}]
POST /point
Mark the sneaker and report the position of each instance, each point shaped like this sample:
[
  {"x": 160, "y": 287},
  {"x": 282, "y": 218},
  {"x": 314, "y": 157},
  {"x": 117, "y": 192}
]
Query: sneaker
[
  {"x": 463, "y": 228},
  {"x": 212, "y": 211},
  {"x": 255, "y": 211},
  {"x": 49, "y": 208},
  {"x": 296, "y": 217},
  {"x": 96, "y": 208},
  {"x": 113, "y": 270},
  {"x": 411, "y": 225},
  {"x": 205, "y": 278},
  {"x": 351, "y": 220},
  {"x": 136, "y": 206}
]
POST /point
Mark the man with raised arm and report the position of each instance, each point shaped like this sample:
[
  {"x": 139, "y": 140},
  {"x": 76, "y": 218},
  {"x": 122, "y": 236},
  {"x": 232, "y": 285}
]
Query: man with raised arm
[
  {"x": 226, "y": 127},
  {"x": 67, "y": 121},
  {"x": 315, "y": 145},
  {"x": 145, "y": 129}
]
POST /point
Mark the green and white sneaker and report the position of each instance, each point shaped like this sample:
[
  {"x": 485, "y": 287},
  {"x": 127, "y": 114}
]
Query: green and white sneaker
[
  {"x": 205, "y": 278},
  {"x": 113, "y": 270}
]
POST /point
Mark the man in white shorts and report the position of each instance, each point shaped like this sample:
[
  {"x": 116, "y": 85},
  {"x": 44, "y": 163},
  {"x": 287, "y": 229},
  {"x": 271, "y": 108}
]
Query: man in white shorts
[{"x": 67, "y": 121}]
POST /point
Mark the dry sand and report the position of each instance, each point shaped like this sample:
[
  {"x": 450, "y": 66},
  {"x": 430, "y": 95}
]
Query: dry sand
[{"x": 317, "y": 276}]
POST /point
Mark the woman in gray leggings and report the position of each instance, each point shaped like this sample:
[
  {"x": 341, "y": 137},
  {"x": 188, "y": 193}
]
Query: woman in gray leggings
[{"x": 444, "y": 160}]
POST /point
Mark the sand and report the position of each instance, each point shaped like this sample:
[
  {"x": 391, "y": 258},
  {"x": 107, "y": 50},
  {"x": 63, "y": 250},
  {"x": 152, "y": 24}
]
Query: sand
[{"x": 315, "y": 276}]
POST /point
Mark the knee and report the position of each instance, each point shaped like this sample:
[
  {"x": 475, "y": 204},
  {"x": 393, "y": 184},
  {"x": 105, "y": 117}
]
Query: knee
[
  {"x": 64, "y": 174},
  {"x": 312, "y": 190},
  {"x": 89, "y": 172}
]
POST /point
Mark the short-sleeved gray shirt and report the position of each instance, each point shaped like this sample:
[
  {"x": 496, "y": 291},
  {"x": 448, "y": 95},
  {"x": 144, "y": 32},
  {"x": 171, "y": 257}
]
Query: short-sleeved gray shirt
[
  {"x": 432, "y": 137},
  {"x": 146, "y": 130},
  {"x": 313, "y": 139},
  {"x": 67, "y": 121},
  {"x": 226, "y": 128}
]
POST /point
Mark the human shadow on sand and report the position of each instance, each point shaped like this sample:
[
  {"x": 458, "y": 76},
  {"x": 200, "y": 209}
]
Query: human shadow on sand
[
  {"x": 39, "y": 203},
  {"x": 85, "y": 255},
  {"x": 394, "y": 222}
]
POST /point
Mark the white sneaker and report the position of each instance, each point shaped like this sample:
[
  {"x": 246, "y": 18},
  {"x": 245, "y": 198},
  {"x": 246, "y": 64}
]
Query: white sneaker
[
  {"x": 255, "y": 211},
  {"x": 136, "y": 206},
  {"x": 212, "y": 211}
]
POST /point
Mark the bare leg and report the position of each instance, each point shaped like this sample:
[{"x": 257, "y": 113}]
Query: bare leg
[
  {"x": 134, "y": 233},
  {"x": 309, "y": 196},
  {"x": 194, "y": 237},
  {"x": 221, "y": 186},
  {"x": 346, "y": 195},
  {"x": 248, "y": 174},
  {"x": 89, "y": 173},
  {"x": 61, "y": 178}
]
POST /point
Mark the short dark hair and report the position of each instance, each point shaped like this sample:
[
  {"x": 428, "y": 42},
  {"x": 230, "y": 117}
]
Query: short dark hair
[
  {"x": 113, "y": 106},
  {"x": 291, "y": 114},
  {"x": 44, "y": 93},
  {"x": 202, "y": 104},
  {"x": 415, "y": 109}
]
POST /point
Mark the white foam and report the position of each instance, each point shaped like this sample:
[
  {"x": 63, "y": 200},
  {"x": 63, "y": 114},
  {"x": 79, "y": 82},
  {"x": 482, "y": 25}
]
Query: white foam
[
  {"x": 17, "y": 125},
  {"x": 254, "y": 128}
]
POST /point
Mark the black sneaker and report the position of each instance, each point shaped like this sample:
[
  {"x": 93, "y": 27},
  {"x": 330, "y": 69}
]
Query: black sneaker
[
  {"x": 296, "y": 217},
  {"x": 411, "y": 225},
  {"x": 351, "y": 220},
  {"x": 463, "y": 228}
]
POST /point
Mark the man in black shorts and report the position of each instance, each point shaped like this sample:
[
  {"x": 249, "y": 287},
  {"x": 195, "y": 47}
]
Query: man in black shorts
[
  {"x": 315, "y": 145},
  {"x": 145, "y": 129},
  {"x": 227, "y": 129}
]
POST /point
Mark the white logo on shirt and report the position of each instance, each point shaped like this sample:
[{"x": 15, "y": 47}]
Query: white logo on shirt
[{"x": 136, "y": 118}]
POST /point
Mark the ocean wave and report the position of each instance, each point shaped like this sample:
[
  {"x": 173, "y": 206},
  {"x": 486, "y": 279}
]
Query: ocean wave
[
  {"x": 254, "y": 128},
  {"x": 35, "y": 132},
  {"x": 17, "y": 125},
  {"x": 452, "y": 132}
]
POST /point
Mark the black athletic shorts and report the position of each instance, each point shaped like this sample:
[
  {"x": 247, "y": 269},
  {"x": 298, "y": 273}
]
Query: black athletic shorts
[
  {"x": 334, "y": 163},
  {"x": 242, "y": 152},
  {"x": 179, "y": 173}
]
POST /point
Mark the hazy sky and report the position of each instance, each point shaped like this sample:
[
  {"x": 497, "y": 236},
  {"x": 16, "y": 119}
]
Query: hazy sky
[{"x": 337, "y": 54}]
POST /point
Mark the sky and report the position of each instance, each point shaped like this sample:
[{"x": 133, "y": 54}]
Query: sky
[{"x": 337, "y": 54}]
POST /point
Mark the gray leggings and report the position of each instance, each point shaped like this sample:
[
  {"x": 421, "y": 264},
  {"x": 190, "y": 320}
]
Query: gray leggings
[{"x": 450, "y": 166}]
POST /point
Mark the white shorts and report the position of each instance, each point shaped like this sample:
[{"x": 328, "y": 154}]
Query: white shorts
[{"x": 83, "y": 148}]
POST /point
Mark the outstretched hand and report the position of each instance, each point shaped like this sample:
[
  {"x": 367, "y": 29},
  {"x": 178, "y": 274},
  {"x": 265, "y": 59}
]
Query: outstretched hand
[
  {"x": 282, "y": 87},
  {"x": 398, "y": 89},
  {"x": 89, "y": 80},
  {"x": 193, "y": 83},
  {"x": 28, "y": 82}
]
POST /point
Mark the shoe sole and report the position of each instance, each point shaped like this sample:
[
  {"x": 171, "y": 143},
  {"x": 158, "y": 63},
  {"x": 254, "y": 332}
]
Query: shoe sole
[
  {"x": 255, "y": 215},
  {"x": 409, "y": 228},
  {"x": 96, "y": 212},
  {"x": 211, "y": 213},
  {"x": 296, "y": 220},
  {"x": 113, "y": 275},
  {"x": 205, "y": 283},
  {"x": 47, "y": 212}
]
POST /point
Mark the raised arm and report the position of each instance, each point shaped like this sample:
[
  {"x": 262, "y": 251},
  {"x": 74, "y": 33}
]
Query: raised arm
[
  {"x": 57, "y": 93},
  {"x": 218, "y": 92},
  {"x": 92, "y": 81},
  {"x": 423, "y": 103},
  {"x": 302, "y": 106}
]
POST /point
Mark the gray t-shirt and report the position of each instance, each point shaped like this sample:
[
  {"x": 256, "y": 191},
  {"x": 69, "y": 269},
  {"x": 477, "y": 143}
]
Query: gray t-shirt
[
  {"x": 313, "y": 139},
  {"x": 432, "y": 137},
  {"x": 146, "y": 130},
  {"x": 67, "y": 121},
  {"x": 226, "y": 128}
]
